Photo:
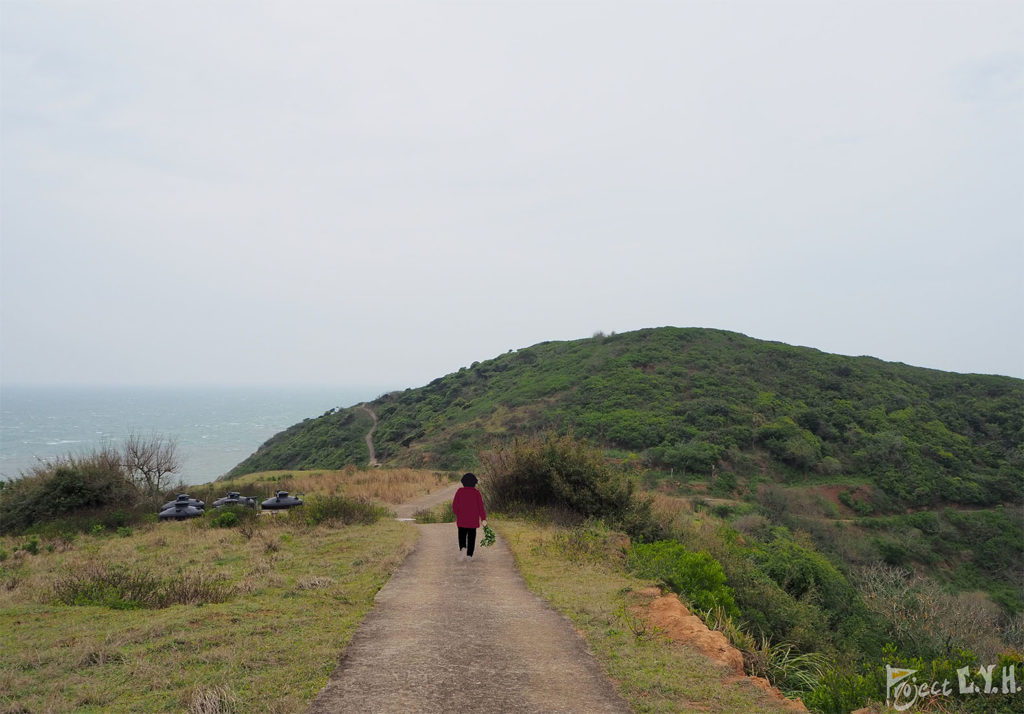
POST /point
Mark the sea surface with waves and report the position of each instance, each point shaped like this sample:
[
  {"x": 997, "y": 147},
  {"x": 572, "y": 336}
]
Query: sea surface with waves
[{"x": 215, "y": 427}]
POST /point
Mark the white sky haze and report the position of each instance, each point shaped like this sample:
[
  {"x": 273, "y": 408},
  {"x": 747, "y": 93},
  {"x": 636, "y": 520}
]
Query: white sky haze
[{"x": 379, "y": 193}]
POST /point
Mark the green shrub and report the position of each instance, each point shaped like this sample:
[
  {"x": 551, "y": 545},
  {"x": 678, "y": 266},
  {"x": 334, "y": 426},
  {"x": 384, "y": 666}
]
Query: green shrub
[
  {"x": 78, "y": 487},
  {"x": 224, "y": 519},
  {"x": 863, "y": 508},
  {"x": 846, "y": 498},
  {"x": 842, "y": 689},
  {"x": 790, "y": 444},
  {"x": 805, "y": 573},
  {"x": 230, "y": 516},
  {"x": 562, "y": 472},
  {"x": 696, "y": 577},
  {"x": 892, "y": 552},
  {"x": 722, "y": 510},
  {"x": 925, "y": 521},
  {"x": 830, "y": 466},
  {"x": 31, "y": 545},
  {"x": 768, "y": 610},
  {"x": 725, "y": 484},
  {"x": 124, "y": 532},
  {"x": 118, "y": 518},
  {"x": 694, "y": 455}
]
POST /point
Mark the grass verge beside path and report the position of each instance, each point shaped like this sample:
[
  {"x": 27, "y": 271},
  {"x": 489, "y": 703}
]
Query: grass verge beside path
[
  {"x": 298, "y": 594},
  {"x": 581, "y": 574}
]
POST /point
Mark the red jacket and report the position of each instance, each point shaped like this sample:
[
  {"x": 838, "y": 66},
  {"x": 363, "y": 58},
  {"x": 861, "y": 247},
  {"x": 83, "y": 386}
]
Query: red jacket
[{"x": 469, "y": 507}]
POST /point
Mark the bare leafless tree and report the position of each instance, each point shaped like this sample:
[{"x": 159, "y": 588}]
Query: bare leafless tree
[
  {"x": 1013, "y": 631},
  {"x": 920, "y": 611},
  {"x": 150, "y": 462}
]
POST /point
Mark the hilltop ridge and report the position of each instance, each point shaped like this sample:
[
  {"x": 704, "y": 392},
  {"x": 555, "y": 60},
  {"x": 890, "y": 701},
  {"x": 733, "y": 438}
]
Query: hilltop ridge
[{"x": 702, "y": 403}]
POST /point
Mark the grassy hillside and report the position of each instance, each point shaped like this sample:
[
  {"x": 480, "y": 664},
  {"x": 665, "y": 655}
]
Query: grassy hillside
[
  {"x": 259, "y": 618},
  {"x": 332, "y": 441},
  {"x": 706, "y": 405},
  {"x": 210, "y": 615}
]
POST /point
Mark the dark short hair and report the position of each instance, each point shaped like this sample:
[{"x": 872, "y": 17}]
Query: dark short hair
[{"x": 469, "y": 480}]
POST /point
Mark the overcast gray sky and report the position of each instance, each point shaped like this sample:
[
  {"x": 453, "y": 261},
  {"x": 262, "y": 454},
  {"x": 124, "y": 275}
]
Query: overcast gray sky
[{"x": 381, "y": 193}]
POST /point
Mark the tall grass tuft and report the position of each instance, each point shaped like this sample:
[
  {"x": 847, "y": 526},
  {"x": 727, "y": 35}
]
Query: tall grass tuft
[
  {"x": 793, "y": 673},
  {"x": 122, "y": 587},
  {"x": 212, "y": 700},
  {"x": 591, "y": 541},
  {"x": 438, "y": 514},
  {"x": 342, "y": 511},
  {"x": 789, "y": 671},
  {"x": 717, "y": 618}
]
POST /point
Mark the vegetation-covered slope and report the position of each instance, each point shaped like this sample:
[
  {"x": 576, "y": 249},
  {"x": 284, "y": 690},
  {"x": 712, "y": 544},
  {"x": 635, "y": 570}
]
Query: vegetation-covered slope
[
  {"x": 705, "y": 403},
  {"x": 331, "y": 441}
]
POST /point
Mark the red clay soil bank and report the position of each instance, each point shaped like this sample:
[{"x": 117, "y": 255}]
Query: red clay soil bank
[{"x": 669, "y": 615}]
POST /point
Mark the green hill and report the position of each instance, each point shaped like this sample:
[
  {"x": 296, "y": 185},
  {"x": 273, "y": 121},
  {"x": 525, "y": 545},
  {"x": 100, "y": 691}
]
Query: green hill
[{"x": 704, "y": 404}]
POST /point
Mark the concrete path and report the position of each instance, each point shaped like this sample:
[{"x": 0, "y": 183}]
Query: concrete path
[{"x": 451, "y": 635}]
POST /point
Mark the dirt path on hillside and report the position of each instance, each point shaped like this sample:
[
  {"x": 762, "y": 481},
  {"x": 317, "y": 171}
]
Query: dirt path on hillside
[
  {"x": 447, "y": 635},
  {"x": 369, "y": 436}
]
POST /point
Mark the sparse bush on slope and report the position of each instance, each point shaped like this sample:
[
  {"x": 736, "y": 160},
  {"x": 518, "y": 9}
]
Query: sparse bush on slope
[
  {"x": 70, "y": 488},
  {"x": 108, "y": 486}
]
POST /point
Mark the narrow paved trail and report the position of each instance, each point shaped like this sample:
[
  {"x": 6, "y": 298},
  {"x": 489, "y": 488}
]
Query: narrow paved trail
[
  {"x": 369, "y": 435},
  {"x": 451, "y": 635}
]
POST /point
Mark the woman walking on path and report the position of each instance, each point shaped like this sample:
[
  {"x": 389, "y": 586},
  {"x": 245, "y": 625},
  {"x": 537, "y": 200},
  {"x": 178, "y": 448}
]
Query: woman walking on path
[{"x": 468, "y": 507}]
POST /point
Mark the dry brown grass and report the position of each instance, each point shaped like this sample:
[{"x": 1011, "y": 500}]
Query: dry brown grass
[
  {"x": 670, "y": 510},
  {"x": 212, "y": 700},
  {"x": 389, "y": 486}
]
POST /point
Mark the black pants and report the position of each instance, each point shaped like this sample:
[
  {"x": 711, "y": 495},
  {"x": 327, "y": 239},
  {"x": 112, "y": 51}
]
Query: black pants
[{"x": 467, "y": 539}]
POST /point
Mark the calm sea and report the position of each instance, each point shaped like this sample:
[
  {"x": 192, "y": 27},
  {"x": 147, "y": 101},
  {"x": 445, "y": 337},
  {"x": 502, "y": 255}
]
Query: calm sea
[{"x": 215, "y": 427}]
